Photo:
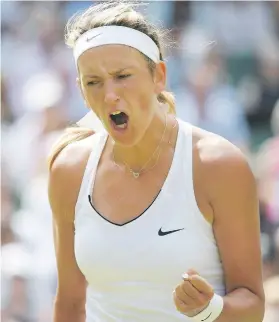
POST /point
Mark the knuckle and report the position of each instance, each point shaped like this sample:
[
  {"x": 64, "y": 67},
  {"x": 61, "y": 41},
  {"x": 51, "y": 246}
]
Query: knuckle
[
  {"x": 176, "y": 296},
  {"x": 205, "y": 298},
  {"x": 204, "y": 302},
  {"x": 180, "y": 291},
  {"x": 177, "y": 288},
  {"x": 177, "y": 302},
  {"x": 208, "y": 296},
  {"x": 178, "y": 306},
  {"x": 200, "y": 301},
  {"x": 211, "y": 293},
  {"x": 181, "y": 308},
  {"x": 185, "y": 286}
]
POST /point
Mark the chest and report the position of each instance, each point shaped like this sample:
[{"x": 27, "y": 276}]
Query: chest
[{"x": 120, "y": 198}]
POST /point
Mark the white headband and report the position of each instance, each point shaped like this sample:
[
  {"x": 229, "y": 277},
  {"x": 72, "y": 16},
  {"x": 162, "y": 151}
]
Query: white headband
[{"x": 117, "y": 35}]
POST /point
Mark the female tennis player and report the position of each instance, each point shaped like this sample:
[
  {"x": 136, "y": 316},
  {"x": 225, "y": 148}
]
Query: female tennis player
[{"x": 154, "y": 219}]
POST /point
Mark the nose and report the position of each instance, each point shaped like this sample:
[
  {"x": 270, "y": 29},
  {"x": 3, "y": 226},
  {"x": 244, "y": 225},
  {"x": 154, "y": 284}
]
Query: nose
[{"x": 111, "y": 96}]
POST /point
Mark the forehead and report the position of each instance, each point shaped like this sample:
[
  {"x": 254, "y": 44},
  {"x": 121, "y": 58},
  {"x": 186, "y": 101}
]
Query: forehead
[{"x": 110, "y": 57}]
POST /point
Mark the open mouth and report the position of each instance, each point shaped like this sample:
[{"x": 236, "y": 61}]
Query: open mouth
[{"x": 119, "y": 119}]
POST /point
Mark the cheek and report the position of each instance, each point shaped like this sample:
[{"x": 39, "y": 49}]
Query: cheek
[
  {"x": 86, "y": 94},
  {"x": 93, "y": 100},
  {"x": 146, "y": 100},
  {"x": 141, "y": 93},
  {"x": 89, "y": 95}
]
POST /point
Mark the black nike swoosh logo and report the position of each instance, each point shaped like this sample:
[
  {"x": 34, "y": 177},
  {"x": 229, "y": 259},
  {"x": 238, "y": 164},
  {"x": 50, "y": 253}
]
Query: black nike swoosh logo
[
  {"x": 207, "y": 317},
  {"x": 164, "y": 233},
  {"x": 88, "y": 39}
]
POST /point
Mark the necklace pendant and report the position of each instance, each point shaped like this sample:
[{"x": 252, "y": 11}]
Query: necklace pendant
[{"x": 136, "y": 175}]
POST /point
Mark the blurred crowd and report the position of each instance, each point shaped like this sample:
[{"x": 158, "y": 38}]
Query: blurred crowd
[{"x": 223, "y": 67}]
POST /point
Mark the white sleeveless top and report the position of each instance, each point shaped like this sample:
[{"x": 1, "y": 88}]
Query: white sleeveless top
[{"x": 132, "y": 269}]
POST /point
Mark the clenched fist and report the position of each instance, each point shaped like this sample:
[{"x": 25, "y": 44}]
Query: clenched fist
[{"x": 193, "y": 294}]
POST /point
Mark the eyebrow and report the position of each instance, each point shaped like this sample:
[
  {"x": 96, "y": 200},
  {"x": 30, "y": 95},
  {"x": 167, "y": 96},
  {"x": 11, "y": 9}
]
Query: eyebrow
[{"x": 112, "y": 73}]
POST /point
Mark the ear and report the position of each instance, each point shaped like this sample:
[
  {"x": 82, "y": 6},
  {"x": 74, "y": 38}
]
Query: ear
[
  {"x": 81, "y": 91},
  {"x": 160, "y": 77}
]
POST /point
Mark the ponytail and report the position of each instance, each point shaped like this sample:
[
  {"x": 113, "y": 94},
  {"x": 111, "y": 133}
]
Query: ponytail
[
  {"x": 72, "y": 134},
  {"x": 167, "y": 98}
]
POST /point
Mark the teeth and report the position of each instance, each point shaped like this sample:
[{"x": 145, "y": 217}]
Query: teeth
[
  {"x": 122, "y": 126},
  {"x": 116, "y": 113}
]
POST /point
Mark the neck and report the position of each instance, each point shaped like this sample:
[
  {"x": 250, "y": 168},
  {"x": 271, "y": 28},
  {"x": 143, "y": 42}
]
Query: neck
[{"x": 155, "y": 139}]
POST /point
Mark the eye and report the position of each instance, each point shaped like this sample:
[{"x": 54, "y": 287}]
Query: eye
[
  {"x": 123, "y": 76},
  {"x": 92, "y": 83}
]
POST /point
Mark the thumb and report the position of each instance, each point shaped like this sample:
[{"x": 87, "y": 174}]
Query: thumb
[{"x": 190, "y": 272}]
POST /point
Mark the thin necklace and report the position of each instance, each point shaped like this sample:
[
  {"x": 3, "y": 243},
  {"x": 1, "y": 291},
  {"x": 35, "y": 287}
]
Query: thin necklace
[
  {"x": 157, "y": 158},
  {"x": 136, "y": 174}
]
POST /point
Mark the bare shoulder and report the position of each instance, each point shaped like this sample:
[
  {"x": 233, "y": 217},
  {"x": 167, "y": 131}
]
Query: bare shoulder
[
  {"x": 222, "y": 165},
  {"x": 218, "y": 156},
  {"x": 65, "y": 176},
  {"x": 213, "y": 149}
]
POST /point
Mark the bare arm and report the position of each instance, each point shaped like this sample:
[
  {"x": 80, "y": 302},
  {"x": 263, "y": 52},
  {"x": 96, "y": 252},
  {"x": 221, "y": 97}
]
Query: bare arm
[
  {"x": 64, "y": 182},
  {"x": 231, "y": 191}
]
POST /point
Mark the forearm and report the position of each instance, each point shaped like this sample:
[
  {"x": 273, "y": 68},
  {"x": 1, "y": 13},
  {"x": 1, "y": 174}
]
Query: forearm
[
  {"x": 241, "y": 305},
  {"x": 66, "y": 312}
]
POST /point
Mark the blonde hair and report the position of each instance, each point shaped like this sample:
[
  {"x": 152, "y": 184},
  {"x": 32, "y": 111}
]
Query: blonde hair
[{"x": 107, "y": 14}]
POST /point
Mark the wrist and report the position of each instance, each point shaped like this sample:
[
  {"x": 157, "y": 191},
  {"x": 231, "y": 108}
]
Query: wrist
[
  {"x": 197, "y": 311},
  {"x": 211, "y": 312}
]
